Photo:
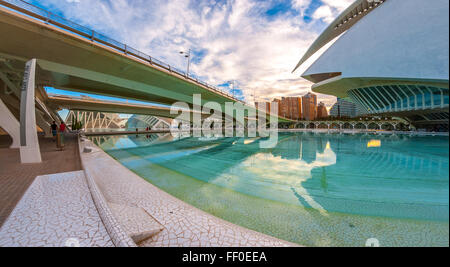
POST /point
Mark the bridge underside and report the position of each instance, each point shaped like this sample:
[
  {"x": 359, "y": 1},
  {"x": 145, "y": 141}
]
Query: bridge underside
[
  {"x": 36, "y": 53},
  {"x": 89, "y": 104},
  {"x": 69, "y": 61}
]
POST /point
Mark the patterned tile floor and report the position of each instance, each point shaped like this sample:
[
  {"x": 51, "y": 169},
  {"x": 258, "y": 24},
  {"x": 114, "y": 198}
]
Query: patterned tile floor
[
  {"x": 15, "y": 178},
  {"x": 57, "y": 210},
  {"x": 59, "y": 206}
]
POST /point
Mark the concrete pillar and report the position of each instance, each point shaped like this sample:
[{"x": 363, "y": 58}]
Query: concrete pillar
[
  {"x": 29, "y": 143},
  {"x": 10, "y": 124}
]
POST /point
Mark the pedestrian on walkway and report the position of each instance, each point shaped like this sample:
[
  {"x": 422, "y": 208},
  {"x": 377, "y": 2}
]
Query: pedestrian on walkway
[
  {"x": 62, "y": 129},
  {"x": 54, "y": 128}
]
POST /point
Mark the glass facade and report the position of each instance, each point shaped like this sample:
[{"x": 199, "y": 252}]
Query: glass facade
[
  {"x": 395, "y": 98},
  {"x": 344, "y": 108}
]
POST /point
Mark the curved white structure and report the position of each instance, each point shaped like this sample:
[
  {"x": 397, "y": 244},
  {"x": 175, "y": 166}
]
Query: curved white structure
[
  {"x": 144, "y": 121},
  {"x": 391, "y": 59}
]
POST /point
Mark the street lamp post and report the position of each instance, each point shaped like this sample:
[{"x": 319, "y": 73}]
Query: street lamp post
[
  {"x": 233, "y": 84},
  {"x": 188, "y": 56},
  {"x": 254, "y": 96}
]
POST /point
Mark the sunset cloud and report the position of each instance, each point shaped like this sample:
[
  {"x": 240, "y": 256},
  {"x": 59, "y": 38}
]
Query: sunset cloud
[{"x": 255, "y": 43}]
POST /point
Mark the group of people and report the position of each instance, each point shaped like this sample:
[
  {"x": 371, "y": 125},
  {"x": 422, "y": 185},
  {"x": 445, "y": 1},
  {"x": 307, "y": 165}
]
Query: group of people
[
  {"x": 55, "y": 128},
  {"x": 146, "y": 129}
]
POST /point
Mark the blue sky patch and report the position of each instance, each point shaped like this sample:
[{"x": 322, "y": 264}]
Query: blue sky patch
[
  {"x": 315, "y": 4},
  {"x": 280, "y": 8}
]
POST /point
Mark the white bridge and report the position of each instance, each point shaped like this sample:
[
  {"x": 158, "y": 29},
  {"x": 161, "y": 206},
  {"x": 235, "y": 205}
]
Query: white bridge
[
  {"x": 95, "y": 120},
  {"x": 367, "y": 125},
  {"x": 99, "y": 120}
]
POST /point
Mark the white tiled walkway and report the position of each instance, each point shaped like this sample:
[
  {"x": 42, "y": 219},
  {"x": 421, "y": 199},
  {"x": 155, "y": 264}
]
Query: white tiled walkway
[{"x": 57, "y": 210}]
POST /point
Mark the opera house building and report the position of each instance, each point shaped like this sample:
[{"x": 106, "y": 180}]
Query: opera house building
[{"x": 389, "y": 57}]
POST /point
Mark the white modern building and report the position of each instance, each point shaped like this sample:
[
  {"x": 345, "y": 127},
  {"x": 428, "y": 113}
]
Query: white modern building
[
  {"x": 151, "y": 122},
  {"x": 390, "y": 57}
]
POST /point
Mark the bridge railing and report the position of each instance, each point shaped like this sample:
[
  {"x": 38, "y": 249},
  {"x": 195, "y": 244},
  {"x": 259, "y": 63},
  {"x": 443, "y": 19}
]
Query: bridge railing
[{"x": 75, "y": 28}]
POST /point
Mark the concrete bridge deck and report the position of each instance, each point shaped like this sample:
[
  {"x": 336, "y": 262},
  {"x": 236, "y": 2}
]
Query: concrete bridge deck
[
  {"x": 42, "y": 49},
  {"x": 76, "y": 58}
]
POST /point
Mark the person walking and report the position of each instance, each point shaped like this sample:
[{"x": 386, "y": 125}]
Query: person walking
[
  {"x": 62, "y": 129},
  {"x": 54, "y": 128}
]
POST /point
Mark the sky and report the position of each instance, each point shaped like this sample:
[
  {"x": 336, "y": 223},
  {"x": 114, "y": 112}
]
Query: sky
[{"x": 255, "y": 43}]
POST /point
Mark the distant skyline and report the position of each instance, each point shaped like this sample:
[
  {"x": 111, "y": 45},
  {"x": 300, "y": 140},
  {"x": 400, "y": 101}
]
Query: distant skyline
[{"x": 253, "y": 42}]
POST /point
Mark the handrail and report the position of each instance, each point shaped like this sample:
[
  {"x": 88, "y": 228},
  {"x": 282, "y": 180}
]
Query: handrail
[{"x": 50, "y": 18}]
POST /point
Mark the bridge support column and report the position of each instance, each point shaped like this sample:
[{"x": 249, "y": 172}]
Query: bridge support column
[
  {"x": 29, "y": 143},
  {"x": 10, "y": 124}
]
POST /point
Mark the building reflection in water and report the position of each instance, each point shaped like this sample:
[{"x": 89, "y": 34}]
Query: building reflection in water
[
  {"x": 310, "y": 149},
  {"x": 129, "y": 141},
  {"x": 303, "y": 147},
  {"x": 310, "y": 152},
  {"x": 318, "y": 171},
  {"x": 306, "y": 164}
]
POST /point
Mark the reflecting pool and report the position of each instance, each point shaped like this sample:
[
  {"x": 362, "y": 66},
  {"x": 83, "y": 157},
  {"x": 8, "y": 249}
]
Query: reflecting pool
[{"x": 312, "y": 189}]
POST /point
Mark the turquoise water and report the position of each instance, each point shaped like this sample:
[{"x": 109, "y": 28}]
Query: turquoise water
[{"x": 311, "y": 189}]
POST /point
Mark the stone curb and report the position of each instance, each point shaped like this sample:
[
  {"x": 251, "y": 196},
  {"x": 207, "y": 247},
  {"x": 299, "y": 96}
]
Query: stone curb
[{"x": 118, "y": 236}]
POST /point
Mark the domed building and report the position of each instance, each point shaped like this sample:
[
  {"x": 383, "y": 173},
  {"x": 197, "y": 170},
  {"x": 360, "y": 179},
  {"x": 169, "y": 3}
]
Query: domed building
[{"x": 390, "y": 57}]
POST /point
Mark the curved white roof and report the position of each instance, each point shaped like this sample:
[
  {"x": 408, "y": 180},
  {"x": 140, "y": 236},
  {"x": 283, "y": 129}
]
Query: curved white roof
[
  {"x": 345, "y": 21},
  {"x": 399, "y": 40}
]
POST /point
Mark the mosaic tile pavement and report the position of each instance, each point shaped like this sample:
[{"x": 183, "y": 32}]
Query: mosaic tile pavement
[
  {"x": 136, "y": 222},
  {"x": 57, "y": 210},
  {"x": 15, "y": 178},
  {"x": 184, "y": 225}
]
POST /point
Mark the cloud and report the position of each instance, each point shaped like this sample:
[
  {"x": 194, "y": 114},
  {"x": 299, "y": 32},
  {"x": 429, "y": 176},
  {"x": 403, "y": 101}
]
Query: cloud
[
  {"x": 301, "y": 5},
  {"x": 233, "y": 40},
  {"x": 331, "y": 9},
  {"x": 325, "y": 13},
  {"x": 339, "y": 6}
]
